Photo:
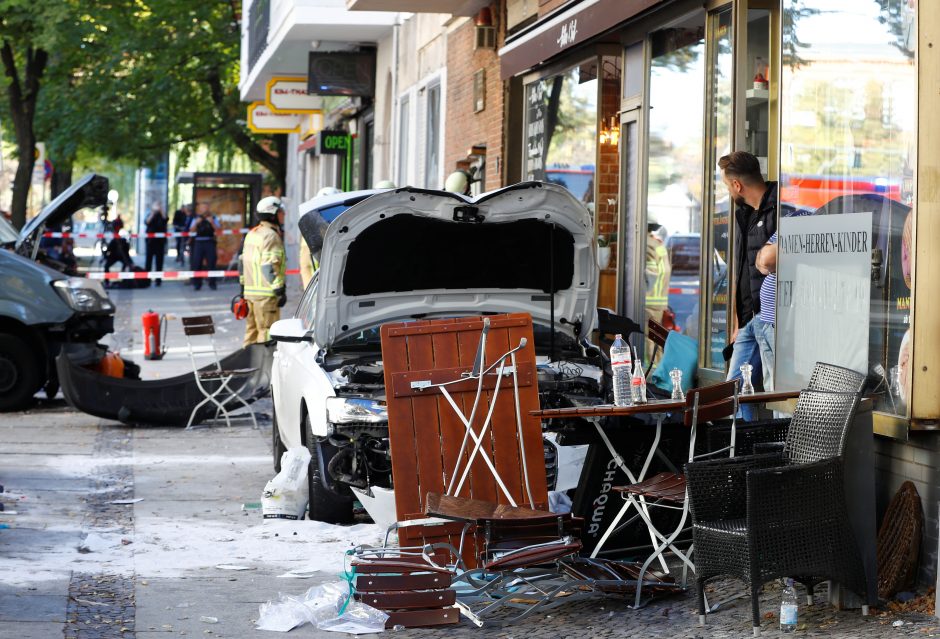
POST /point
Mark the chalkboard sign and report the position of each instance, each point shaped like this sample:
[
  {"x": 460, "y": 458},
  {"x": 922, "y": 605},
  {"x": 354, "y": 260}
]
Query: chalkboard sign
[{"x": 536, "y": 111}]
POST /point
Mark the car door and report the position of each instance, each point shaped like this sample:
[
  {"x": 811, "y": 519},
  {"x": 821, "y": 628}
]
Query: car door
[{"x": 287, "y": 388}]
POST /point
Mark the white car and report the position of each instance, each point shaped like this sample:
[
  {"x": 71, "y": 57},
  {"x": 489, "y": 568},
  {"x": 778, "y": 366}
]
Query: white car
[{"x": 410, "y": 254}]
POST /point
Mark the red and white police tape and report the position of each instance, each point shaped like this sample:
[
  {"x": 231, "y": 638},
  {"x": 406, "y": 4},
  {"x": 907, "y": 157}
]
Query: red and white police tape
[
  {"x": 167, "y": 275},
  {"x": 102, "y": 236}
]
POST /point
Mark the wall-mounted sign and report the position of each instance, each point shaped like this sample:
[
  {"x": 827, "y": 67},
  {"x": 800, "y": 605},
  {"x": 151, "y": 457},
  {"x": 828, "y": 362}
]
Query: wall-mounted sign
[
  {"x": 289, "y": 95},
  {"x": 334, "y": 142},
  {"x": 342, "y": 73},
  {"x": 262, "y": 120},
  {"x": 823, "y": 295}
]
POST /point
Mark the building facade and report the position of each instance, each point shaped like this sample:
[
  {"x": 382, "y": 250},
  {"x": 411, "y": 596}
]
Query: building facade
[{"x": 629, "y": 104}]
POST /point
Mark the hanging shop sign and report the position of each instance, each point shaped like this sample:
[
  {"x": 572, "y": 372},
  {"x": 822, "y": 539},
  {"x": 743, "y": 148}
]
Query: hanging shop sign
[
  {"x": 288, "y": 95},
  {"x": 334, "y": 142},
  {"x": 823, "y": 294},
  {"x": 261, "y": 119},
  {"x": 342, "y": 73}
]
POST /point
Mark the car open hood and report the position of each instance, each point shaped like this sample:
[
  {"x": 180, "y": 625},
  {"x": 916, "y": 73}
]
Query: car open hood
[
  {"x": 91, "y": 190},
  {"x": 413, "y": 253}
]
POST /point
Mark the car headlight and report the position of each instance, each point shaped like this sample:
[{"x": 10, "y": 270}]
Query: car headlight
[
  {"x": 87, "y": 296},
  {"x": 352, "y": 410}
]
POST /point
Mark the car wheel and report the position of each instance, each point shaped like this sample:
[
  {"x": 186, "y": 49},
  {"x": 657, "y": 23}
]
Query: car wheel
[
  {"x": 324, "y": 504},
  {"x": 277, "y": 446},
  {"x": 19, "y": 375}
]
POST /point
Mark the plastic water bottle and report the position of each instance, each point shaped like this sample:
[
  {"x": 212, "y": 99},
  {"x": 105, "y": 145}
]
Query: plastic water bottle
[
  {"x": 638, "y": 381},
  {"x": 788, "y": 608},
  {"x": 621, "y": 363}
]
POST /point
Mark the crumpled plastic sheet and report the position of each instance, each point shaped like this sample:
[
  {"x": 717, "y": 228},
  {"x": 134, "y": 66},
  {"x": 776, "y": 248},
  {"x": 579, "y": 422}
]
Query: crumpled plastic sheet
[{"x": 323, "y": 607}]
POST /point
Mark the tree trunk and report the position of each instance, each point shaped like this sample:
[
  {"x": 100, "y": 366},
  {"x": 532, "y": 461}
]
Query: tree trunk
[
  {"x": 22, "y": 96},
  {"x": 61, "y": 176}
]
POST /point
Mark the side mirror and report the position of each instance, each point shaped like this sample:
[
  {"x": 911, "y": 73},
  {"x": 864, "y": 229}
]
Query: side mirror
[{"x": 290, "y": 330}]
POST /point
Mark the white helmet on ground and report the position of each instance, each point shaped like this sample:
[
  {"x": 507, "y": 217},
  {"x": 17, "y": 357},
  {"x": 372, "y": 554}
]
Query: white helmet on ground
[
  {"x": 385, "y": 184},
  {"x": 328, "y": 190}
]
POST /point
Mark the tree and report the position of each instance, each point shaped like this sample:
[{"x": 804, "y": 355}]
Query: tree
[
  {"x": 155, "y": 75},
  {"x": 28, "y": 31}
]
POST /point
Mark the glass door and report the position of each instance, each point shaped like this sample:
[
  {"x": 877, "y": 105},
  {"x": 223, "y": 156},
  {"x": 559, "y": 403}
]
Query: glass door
[{"x": 719, "y": 141}]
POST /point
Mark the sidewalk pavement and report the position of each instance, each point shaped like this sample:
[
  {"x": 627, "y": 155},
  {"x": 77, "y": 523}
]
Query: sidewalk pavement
[{"x": 193, "y": 557}]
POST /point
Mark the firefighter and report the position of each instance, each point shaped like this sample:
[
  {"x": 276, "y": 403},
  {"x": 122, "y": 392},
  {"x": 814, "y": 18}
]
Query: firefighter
[
  {"x": 658, "y": 273},
  {"x": 262, "y": 265}
]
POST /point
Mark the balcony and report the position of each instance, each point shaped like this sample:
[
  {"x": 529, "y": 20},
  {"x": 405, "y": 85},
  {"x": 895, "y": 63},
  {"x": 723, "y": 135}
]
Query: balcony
[
  {"x": 453, "y": 7},
  {"x": 281, "y": 33}
]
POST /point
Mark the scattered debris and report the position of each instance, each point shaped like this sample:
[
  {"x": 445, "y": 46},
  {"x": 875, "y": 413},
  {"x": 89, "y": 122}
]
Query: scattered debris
[
  {"x": 923, "y": 604},
  {"x": 233, "y": 567},
  {"x": 121, "y": 502},
  {"x": 206, "y": 619}
]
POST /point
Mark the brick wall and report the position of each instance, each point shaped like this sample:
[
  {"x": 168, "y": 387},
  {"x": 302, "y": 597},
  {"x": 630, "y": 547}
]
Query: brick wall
[
  {"x": 917, "y": 460},
  {"x": 465, "y": 128}
]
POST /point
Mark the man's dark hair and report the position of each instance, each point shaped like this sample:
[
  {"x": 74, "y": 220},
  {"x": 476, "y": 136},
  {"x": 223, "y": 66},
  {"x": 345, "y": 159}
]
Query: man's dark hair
[{"x": 743, "y": 166}]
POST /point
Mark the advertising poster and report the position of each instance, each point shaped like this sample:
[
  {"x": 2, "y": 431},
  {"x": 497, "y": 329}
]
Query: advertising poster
[
  {"x": 823, "y": 295},
  {"x": 230, "y": 206}
]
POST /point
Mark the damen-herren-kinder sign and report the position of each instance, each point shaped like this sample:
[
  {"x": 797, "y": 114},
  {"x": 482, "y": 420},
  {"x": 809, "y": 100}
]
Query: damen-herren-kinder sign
[{"x": 823, "y": 295}]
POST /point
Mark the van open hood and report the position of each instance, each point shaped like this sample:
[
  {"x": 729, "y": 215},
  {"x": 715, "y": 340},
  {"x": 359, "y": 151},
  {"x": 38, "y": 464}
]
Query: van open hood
[
  {"x": 90, "y": 190},
  {"x": 413, "y": 253}
]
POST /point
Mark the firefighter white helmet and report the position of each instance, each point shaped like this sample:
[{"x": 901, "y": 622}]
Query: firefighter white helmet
[
  {"x": 328, "y": 190},
  {"x": 268, "y": 207},
  {"x": 458, "y": 182}
]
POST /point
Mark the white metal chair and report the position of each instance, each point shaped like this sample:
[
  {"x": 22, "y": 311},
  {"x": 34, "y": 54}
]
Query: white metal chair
[{"x": 213, "y": 381}]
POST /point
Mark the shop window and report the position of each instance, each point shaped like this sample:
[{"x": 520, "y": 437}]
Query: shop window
[
  {"x": 674, "y": 173},
  {"x": 561, "y": 130},
  {"x": 848, "y": 136},
  {"x": 719, "y": 136}
]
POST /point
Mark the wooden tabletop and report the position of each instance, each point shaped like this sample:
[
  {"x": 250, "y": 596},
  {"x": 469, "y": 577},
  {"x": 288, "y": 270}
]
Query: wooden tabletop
[
  {"x": 768, "y": 396},
  {"x": 610, "y": 410},
  {"x": 652, "y": 406}
]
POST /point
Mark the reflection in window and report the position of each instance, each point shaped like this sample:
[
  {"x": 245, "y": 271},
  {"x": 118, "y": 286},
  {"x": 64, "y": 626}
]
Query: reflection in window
[
  {"x": 674, "y": 191},
  {"x": 847, "y": 145},
  {"x": 561, "y": 130}
]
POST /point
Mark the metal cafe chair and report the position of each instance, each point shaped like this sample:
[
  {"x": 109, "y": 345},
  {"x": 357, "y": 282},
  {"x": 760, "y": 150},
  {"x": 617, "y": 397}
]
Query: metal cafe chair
[
  {"x": 668, "y": 489},
  {"x": 213, "y": 381}
]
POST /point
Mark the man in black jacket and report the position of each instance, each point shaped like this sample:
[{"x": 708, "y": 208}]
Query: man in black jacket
[{"x": 755, "y": 220}]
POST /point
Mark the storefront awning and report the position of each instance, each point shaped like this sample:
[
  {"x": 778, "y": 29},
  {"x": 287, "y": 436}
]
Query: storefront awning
[{"x": 547, "y": 38}]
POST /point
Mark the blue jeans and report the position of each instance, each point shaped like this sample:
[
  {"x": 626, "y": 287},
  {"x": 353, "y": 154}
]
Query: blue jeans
[
  {"x": 746, "y": 351},
  {"x": 764, "y": 333}
]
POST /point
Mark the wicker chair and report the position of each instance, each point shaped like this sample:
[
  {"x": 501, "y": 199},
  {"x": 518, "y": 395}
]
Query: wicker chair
[
  {"x": 769, "y": 435},
  {"x": 762, "y": 517}
]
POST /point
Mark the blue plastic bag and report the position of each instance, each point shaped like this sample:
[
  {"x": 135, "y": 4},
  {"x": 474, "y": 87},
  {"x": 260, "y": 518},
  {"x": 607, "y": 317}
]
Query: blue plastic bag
[{"x": 681, "y": 351}]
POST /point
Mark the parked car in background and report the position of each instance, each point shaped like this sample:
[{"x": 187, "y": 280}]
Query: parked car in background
[
  {"x": 412, "y": 253},
  {"x": 685, "y": 250}
]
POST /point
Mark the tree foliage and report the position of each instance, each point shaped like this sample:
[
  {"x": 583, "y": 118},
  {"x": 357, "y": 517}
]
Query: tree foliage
[{"x": 129, "y": 79}]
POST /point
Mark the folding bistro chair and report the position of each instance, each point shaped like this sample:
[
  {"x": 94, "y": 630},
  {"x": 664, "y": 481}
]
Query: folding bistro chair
[
  {"x": 213, "y": 381},
  {"x": 668, "y": 489}
]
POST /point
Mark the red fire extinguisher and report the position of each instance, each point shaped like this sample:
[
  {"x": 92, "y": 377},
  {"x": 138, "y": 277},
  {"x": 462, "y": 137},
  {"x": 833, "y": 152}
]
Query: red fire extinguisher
[{"x": 154, "y": 326}]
